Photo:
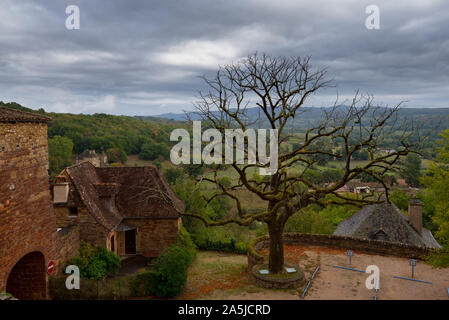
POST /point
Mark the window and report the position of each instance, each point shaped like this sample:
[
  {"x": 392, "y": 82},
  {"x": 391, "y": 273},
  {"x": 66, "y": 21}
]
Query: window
[
  {"x": 112, "y": 244},
  {"x": 73, "y": 211}
]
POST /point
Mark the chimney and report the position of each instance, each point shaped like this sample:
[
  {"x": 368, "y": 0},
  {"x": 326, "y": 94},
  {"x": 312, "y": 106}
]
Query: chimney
[
  {"x": 415, "y": 214},
  {"x": 60, "y": 190}
]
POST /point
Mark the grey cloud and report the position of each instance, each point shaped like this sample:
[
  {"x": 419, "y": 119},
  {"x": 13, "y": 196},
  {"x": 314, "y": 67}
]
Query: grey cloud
[{"x": 144, "y": 57}]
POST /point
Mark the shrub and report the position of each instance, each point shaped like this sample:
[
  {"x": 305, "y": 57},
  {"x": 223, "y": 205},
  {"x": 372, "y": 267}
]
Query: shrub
[
  {"x": 151, "y": 151},
  {"x": 400, "y": 199},
  {"x": 438, "y": 258},
  {"x": 169, "y": 272},
  {"x": 184, "y": 240},
  {"x": 140, "y": 284},
  {"x": 157, "y": 163},
  {"x": 116, "y": 155},
  {"x": 95, "y": 263},
  {"x": 334, "y": 214},
  {"x": 172, "y": 174},
  {"x": 308, "y": 221}
]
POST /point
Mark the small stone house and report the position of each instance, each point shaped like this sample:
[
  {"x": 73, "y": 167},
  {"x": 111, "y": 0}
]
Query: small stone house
[
  {"x": 125, "y": 209},
  {"x": 386, "y": 222}
]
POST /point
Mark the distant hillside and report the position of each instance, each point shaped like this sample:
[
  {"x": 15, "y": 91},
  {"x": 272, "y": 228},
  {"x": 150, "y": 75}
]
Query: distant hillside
[
  {"x": 427, "y": 118},
  {"x": 103, "y": 131}
]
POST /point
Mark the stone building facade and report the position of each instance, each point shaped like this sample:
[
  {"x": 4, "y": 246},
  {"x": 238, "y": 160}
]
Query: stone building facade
[
  {"x": 119, "y": 208},
  {"x": 28, "y": 231},
  {"x": 97, "y": 159},
  {"x": 124, "y": 209}
]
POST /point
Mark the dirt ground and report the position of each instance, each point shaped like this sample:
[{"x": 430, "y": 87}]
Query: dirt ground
[{"x": 224, "y": 276}]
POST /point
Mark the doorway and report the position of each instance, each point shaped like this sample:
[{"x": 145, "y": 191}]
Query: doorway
[{"x": 130, "y": 241}]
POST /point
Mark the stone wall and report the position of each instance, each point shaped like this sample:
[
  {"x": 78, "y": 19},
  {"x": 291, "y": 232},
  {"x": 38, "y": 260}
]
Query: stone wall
[
  {"x": 359, "y": 245},
  {"x": 153, "y": 235},
  {"x": 68, "y": 244},
  {"x": 63, "y": 219},
  {"x": 90, "y": 229},
  {"x": 27, "y": 220}
]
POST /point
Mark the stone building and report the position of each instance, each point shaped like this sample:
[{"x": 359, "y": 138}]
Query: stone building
[
  {"x": 98, "y": 160},
  {"x": 28, "y": 234},
  {"x": 358, "y": 187},
  {"x": 387, "y": 223},
  {"x": 120, "y": 208}
]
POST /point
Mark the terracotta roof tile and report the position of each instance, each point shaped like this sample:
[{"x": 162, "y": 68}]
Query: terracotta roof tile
[
  {"x": 137, "y": 192},
  {"x": 140, "y": 190},
  {"x": 84, "y": 178}
]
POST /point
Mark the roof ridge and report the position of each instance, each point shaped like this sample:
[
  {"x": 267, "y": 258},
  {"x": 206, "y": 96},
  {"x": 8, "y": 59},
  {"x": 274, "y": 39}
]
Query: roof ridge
[{"x": 79, "y": 163}]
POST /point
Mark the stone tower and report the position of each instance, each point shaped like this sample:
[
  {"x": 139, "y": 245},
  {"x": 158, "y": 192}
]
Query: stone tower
[{"x": 28, "y": 233}]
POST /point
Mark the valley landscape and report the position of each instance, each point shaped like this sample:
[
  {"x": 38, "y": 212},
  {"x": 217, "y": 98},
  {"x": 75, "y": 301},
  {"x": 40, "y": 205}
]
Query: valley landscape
[{"x": 223, "y": 155}]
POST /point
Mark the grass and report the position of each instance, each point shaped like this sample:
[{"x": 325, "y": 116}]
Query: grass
[
  {"x": 221, "y": 276},
  {"x": 213, "y": 271},
  {"x": 133, "y": 160}
]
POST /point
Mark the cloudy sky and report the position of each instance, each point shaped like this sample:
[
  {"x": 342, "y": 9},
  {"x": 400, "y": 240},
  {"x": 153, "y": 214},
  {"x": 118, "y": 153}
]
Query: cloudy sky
[{"x": 145, "y": 57}]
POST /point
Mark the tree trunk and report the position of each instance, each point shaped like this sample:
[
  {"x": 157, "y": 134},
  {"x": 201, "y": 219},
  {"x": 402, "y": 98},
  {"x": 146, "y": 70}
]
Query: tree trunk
[{"x": 276, "y": 255}]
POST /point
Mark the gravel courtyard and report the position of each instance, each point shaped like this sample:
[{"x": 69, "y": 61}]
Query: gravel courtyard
[{"x": 224, "y": 276}]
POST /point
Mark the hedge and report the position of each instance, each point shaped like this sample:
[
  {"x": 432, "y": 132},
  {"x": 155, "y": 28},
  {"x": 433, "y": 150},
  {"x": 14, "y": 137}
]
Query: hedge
[{"x": 222, "y": 245}]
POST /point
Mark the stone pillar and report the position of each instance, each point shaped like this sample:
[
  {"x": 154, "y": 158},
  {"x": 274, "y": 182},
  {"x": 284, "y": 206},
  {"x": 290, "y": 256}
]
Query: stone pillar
[{"x": 415, "y": 214}]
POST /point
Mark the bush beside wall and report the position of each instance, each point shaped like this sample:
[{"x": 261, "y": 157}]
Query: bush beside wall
[
  {"x": 95, "y": 263},
  {"x": 166, "y": 277},
  {"x": 169, "y": 271},
  {"x": 222, "y": 245}
]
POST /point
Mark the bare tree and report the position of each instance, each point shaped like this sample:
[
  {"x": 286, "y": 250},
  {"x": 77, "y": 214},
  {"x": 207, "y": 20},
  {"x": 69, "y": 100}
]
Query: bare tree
[{"x": 279, "y": 87}]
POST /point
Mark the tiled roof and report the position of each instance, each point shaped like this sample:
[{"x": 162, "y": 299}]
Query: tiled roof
[
  {"x": 140, "y": 190},
  {"x": 137, "y": 192},
  {"x": 366, "y": 222},
  {"x": 85, "y": 179},
  {"x": 13, "y": 115}
]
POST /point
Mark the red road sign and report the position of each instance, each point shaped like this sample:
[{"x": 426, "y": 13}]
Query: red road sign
[{"x": 51, "y": 267}]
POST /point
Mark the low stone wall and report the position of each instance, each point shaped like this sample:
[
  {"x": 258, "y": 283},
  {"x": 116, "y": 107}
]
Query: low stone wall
[
  {"x": 68, "y": 245},
  {"x": 360, "y": 245},
  {"x": 107, "y": 289}
]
